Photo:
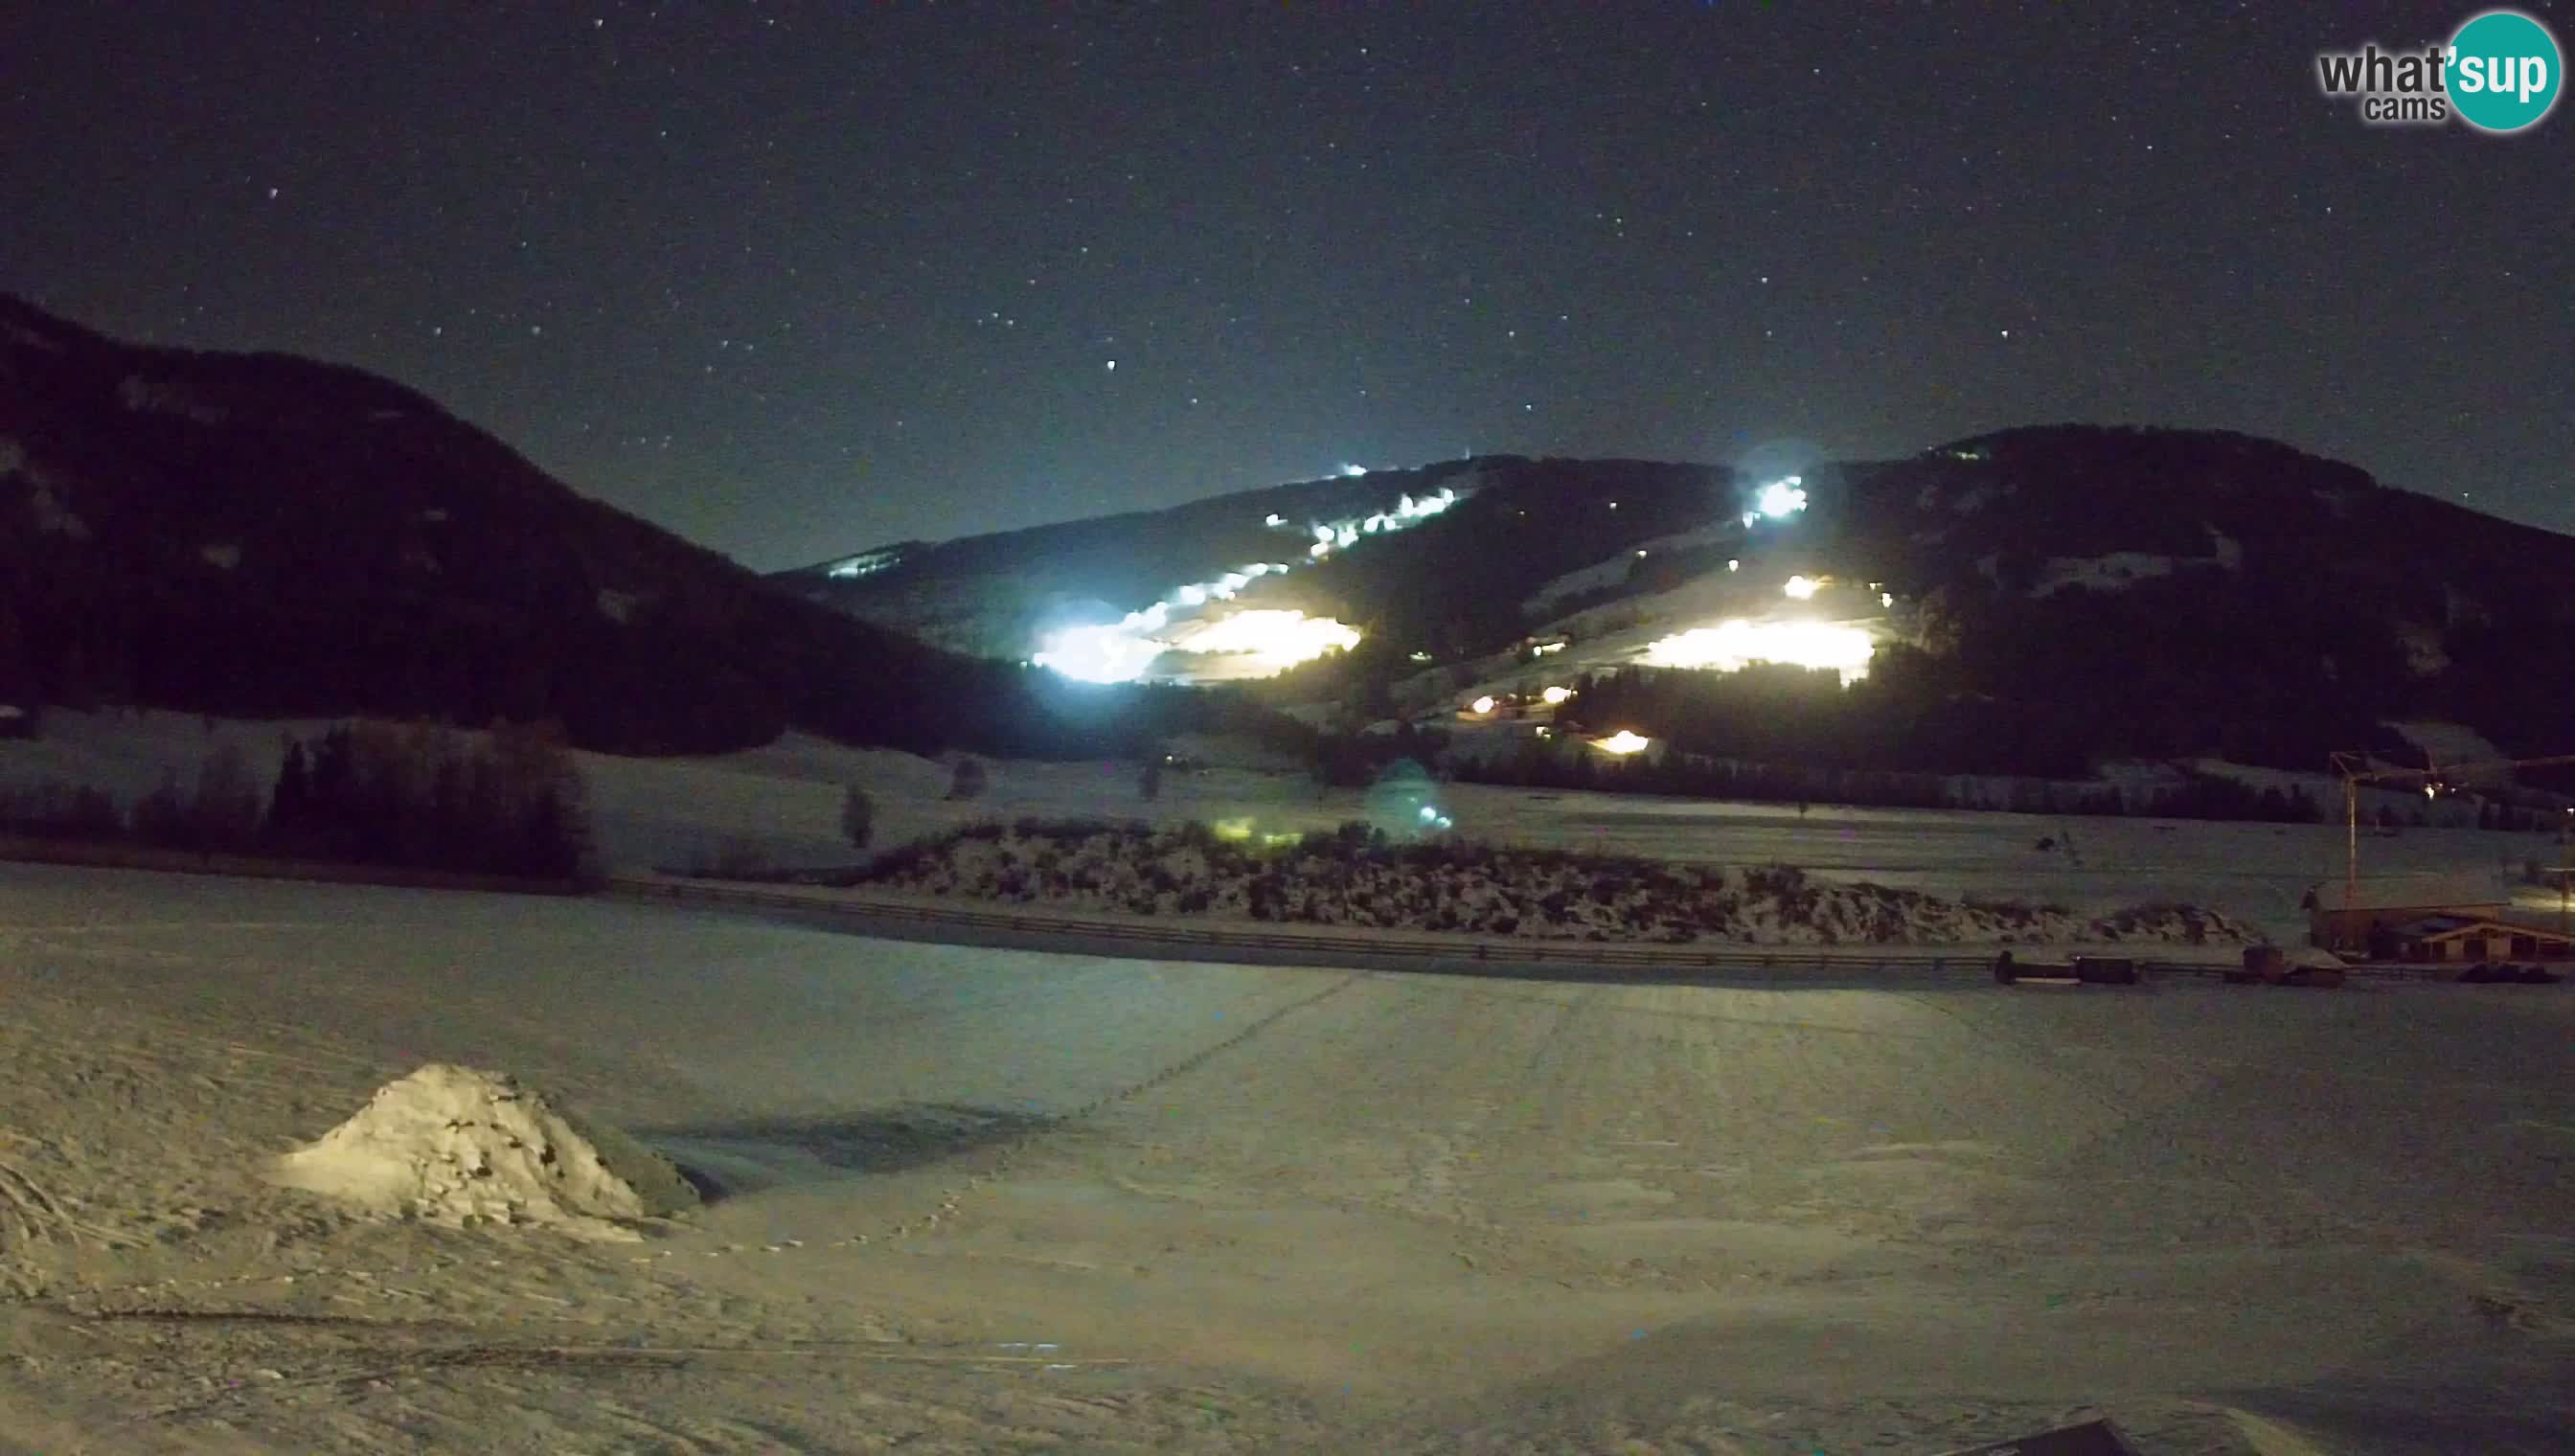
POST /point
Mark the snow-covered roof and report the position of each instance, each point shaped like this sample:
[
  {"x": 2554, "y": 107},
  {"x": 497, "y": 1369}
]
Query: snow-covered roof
[
  {"x": 2437, "y": 927},
  {"x": 2410, "y": 892},
  {"x": 2449, "y": 742}
]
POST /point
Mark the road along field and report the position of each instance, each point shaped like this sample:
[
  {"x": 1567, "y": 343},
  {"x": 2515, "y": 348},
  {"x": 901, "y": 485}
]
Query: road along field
[{"x": 974, "y": 1199}]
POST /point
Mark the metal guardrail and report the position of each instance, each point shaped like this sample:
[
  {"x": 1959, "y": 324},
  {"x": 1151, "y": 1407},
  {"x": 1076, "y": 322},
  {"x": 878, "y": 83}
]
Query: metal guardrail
[{"x": 1485, "y": 949}]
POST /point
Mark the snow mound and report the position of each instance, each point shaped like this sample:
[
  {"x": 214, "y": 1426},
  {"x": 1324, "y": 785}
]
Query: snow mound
[{"x": 461, "y": 1147}]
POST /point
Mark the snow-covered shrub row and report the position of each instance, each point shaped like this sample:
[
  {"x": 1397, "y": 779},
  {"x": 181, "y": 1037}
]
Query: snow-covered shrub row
[{"x": 1355, "y": 878}]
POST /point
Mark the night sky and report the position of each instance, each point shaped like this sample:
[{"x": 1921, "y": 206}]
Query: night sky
[{"x": 794, "y": 279}]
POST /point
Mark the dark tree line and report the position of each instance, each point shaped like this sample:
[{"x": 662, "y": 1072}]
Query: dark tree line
[
  {"x": 419, "y": 797},
  {"x": 1918, "y": 712},
  {"x": 1541, "y": 765},
  {"x": 425, "y": 797}
]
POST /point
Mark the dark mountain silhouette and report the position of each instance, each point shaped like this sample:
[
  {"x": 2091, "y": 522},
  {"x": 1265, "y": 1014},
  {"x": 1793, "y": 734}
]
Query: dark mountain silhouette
[
  {"x": 2065, "y": 595},
  {"x": 264, "y": 535},
  {"x": 261, "y": 535},
  {"x": 1455, "y": 578}
]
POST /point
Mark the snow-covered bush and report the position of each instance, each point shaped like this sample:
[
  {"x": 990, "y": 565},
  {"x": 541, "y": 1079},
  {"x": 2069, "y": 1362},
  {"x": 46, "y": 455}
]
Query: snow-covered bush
[{"x": 1353, "y": 875}]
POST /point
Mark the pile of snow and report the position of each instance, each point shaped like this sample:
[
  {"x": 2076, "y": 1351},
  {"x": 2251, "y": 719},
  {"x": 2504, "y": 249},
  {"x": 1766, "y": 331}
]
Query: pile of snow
[
  {"x": 1347, "y": 879},
  {"x": 461, "y": 1147}
]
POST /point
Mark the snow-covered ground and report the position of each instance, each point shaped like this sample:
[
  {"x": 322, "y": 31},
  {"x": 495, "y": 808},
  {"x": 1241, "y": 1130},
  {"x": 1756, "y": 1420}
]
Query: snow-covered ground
[
  {"x": 969, "y": 1200},
  {"x": 784, "y": 801},
  {"x": 1612, "y": 571}
]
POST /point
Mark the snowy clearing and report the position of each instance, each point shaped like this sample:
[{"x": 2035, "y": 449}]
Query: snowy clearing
[{"x": 976, "y": 1200}]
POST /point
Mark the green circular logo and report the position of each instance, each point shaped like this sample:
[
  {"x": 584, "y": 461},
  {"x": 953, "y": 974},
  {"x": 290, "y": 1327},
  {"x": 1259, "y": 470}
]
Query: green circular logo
[{"x": 2504, "y": 71}]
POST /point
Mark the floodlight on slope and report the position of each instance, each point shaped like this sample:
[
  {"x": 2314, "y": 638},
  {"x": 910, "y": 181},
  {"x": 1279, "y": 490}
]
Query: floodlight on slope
[{"x": 1781, "y": 498}]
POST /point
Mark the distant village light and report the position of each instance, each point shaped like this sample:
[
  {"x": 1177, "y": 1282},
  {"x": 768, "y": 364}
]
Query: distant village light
[
  {"x": 1623, "y": 741},
  {"x": 1484, "y": 704}
]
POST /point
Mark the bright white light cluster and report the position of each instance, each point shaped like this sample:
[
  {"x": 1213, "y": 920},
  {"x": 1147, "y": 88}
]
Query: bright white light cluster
[
  {"x": 1730, "y": 646},
  {"x": 1784, "y": 497},
  {"x": 865, "y": 564},
  {"x": 1275, "y": 639},
  {"x": 1801, "y": 587},
  {"x": 1272, "y": 641},
  {"x": 1406, "y": 512},
  {"x": 1122, "y": 651}
]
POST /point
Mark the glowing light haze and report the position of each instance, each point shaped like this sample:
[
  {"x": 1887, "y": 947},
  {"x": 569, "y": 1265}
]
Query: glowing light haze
[
  {"x": 1781, "y": 498},
  {"x": 1275, "y": 639},
  {"x": 1267, "y": 642},
  {"x": 1730, "y": 646}
]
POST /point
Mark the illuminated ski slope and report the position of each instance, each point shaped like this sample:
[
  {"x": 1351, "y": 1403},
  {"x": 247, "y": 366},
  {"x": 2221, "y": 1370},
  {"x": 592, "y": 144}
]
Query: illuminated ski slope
[
  {"x": 1261, "y": 641},
  {"x": 1730, "y": 646}
]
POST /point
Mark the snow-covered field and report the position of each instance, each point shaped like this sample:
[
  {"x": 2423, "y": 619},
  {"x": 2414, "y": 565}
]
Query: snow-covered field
[
  {"x": 972, "y": 1200},
  {"x": 784, "y": 801}
]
